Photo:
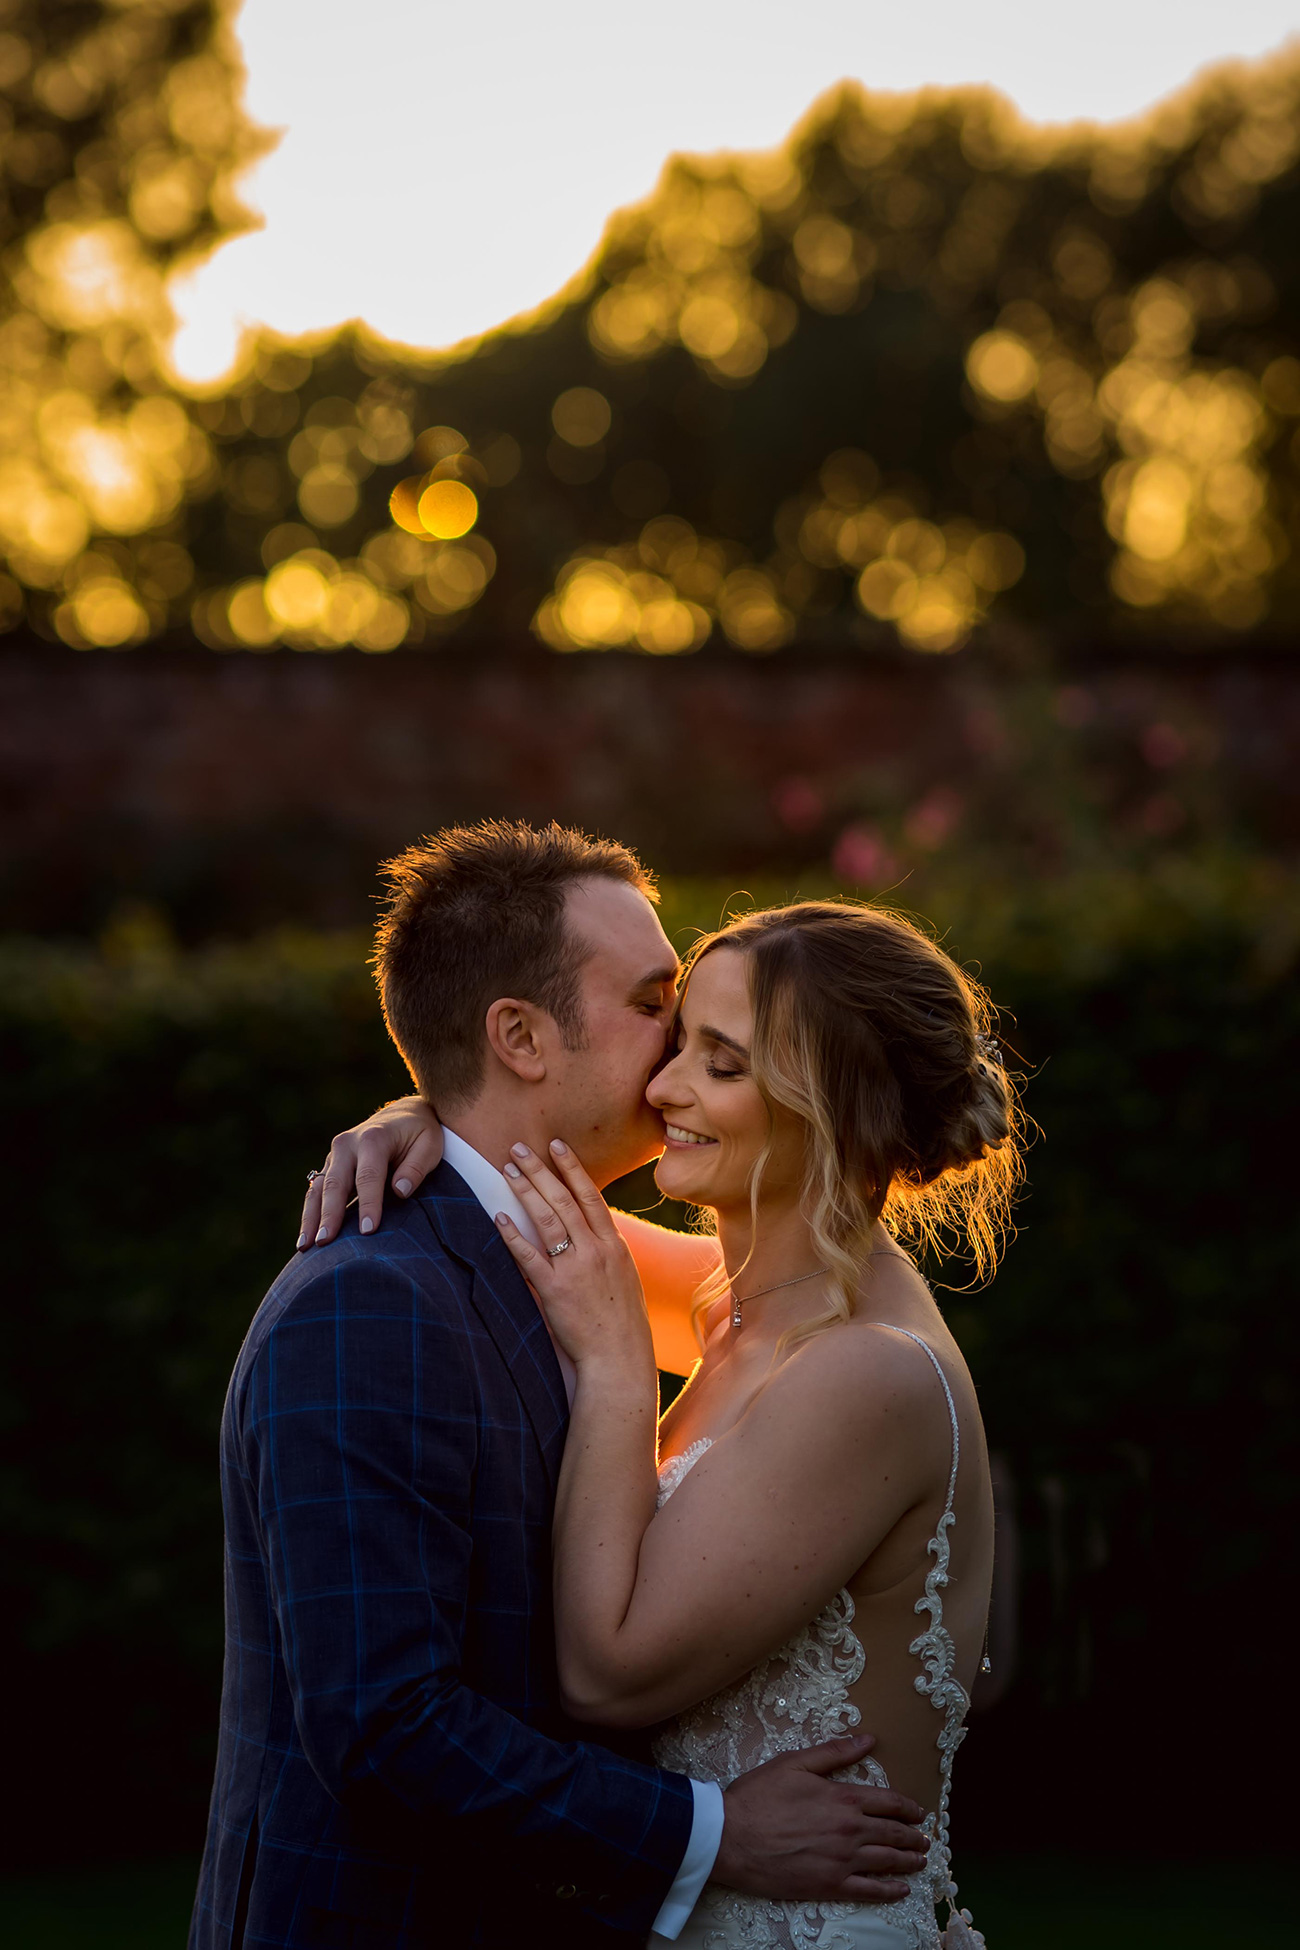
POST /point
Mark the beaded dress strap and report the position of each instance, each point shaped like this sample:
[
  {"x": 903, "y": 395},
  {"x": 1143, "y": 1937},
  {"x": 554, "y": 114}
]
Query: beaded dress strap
[
  {"x": 939, "y": 1683},
  {"x": 937, "y": 1365}
]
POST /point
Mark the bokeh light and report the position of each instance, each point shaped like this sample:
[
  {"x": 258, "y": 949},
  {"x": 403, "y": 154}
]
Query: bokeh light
[
  {"x": 581, "y": 416},
  {"x": 308, "y": 601},
  {"x": 932, "y": 583},
  {"x": 1001, "y": 366},
  {"x": 1149, "y": 402},
  {"x": 448, "y": 509}
]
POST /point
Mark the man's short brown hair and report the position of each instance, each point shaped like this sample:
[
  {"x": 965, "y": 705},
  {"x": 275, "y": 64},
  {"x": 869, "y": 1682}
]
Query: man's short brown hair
[{"x": 475, "y": 913}]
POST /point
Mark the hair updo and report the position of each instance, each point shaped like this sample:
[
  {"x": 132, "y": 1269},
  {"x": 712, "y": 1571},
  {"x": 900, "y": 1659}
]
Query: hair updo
[{"x": 869, "y": 1032}]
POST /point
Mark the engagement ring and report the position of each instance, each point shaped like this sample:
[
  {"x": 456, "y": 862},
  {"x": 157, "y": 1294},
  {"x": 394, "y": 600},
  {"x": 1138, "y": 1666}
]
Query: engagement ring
[
  {"x": 312, "y": 1176},
  {"x": 553, "y": 1252}
]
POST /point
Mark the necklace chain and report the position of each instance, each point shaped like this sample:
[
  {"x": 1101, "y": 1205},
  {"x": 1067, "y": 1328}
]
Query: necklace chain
[{"x": 738, "y": 1301}]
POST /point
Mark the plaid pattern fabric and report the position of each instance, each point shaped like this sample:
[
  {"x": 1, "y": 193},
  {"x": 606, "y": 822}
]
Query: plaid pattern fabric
[{"x": 393, "y": 1770}]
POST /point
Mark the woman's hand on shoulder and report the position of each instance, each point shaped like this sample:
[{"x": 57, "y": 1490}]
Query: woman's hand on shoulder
[
  {"x": 589, "y": 1288},
  {"x": 401, "y": 1141}
]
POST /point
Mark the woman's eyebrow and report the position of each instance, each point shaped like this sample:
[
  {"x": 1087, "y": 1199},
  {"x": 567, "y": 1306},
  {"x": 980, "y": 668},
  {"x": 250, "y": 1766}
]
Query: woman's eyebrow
[{"x": 717, "y": 1036}]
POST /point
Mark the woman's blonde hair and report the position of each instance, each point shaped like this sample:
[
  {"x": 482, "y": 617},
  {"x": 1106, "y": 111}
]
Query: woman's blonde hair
[{"x": 883, "y": 1046}]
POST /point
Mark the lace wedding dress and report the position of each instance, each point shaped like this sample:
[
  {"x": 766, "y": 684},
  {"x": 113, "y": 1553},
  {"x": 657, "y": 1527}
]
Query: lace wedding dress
[{"x": 801, "y": 1696}]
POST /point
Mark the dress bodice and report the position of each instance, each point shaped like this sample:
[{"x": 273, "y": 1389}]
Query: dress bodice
[{"x": 800, "y": 1696}]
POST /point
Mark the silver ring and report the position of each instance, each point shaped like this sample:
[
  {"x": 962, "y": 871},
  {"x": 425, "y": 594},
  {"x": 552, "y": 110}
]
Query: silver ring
[
  {"x": 312, "y": 1176},
  {"x": 553, "y": 1252}
]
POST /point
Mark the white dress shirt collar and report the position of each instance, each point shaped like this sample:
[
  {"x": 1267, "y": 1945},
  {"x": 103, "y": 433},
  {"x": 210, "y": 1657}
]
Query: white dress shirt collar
[
  {"x": 490, "y": 1187},
  {"x": 492, "y": 1190}
]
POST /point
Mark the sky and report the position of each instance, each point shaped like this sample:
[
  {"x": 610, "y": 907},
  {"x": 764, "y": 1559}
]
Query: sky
[{"x": 445, "y": 167}]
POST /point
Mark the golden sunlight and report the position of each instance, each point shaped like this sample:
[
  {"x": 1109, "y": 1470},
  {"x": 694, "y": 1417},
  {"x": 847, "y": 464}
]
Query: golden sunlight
[{"x": 445, "y": 169}]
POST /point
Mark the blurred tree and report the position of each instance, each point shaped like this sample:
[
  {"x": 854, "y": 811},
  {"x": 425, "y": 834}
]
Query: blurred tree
[
  {"x": 121, "y": 142},
  {"x": 921, "y": 368}
]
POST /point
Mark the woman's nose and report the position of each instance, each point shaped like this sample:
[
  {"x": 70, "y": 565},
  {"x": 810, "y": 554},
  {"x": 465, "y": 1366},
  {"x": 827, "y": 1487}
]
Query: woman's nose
[{"x": 662, "y": 1087}]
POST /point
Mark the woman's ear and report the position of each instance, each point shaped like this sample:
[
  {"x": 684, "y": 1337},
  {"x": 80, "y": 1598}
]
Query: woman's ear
[{"x": 516, "y": 1033}]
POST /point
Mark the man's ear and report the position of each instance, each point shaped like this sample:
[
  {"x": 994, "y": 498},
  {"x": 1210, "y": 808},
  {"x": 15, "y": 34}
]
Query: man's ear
[{"x": 517, "y": 1037}]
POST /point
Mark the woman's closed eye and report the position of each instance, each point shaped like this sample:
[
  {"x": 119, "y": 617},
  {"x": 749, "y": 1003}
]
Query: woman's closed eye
[{"x": 720, "y": 1072}]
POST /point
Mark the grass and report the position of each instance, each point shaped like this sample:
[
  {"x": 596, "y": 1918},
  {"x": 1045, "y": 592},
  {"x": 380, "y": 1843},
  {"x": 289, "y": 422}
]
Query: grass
[
  {"x": 1075, "y": 1902},
  {"x": 1040, "y": 1903},
  {"x": 142, "y": 1907}
]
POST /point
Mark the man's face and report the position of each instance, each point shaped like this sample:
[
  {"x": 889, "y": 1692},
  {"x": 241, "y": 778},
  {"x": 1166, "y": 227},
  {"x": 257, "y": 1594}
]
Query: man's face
[{"x": 596, "y": 1094}]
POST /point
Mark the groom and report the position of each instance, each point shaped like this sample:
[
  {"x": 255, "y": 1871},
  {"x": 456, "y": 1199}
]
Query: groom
[{"x": 394, "y": 1770}]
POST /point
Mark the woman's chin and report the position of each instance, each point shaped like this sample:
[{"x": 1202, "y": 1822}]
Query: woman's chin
[{"x": 678, "y": 1176}]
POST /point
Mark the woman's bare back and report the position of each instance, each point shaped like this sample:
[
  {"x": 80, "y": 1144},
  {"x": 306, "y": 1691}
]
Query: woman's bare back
[{"x": 895, "y": 1650}]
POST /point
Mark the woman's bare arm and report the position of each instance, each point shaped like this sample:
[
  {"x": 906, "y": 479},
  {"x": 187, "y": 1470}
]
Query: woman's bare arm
[
  {"x": 657, "y": 1611},
  {"x": 771, "y": 1522},
  {"x": 671, "y": 1266}
]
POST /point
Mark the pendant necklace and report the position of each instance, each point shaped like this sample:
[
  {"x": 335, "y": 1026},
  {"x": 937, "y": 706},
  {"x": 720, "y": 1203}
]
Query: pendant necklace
[{"x": 737, "y": 1303}]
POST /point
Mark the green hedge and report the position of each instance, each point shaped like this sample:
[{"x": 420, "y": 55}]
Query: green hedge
[{"x": 1132, "y": 1356}]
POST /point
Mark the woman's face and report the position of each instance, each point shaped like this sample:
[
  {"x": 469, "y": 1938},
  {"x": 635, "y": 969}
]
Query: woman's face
[{"x": 716, "y": 1119}]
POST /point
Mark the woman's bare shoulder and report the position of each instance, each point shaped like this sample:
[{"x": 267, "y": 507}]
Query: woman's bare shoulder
[{"x": 861, "y": 1382}]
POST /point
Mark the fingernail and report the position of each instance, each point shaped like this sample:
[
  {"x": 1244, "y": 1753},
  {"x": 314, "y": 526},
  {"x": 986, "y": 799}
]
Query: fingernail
[
  {"x": 513, "y": 1171},
  {"x": 320, "y": 1236},
  {"x": 302, "y": 1240},
  {"x": 520, "y": 1150},
  {"x": 559, "y": 1146},
  {"x": 367, "y": 1225},
  {"x": 502, "y": 1220},
  {"x": 403, "y": 1186}
]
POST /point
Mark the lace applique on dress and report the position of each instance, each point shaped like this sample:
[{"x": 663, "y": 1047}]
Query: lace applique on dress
[{"x": 801, "y": 1696}]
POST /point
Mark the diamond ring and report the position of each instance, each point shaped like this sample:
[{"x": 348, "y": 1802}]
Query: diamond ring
[
  {"x": 553, "y": 1252},
  {"x": 312, "y": 1176}
]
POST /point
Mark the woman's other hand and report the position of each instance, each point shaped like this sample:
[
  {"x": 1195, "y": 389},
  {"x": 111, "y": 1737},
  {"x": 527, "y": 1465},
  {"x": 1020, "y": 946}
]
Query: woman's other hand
[
  {"x": 672, "y": 1266},
  {"x": 591, "y": 1291},
  {"x": 402, "y": 1141}
]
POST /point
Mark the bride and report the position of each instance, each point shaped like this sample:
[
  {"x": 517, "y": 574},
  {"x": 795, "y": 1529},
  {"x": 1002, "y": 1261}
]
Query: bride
[{"x": 815, "y": 1550}]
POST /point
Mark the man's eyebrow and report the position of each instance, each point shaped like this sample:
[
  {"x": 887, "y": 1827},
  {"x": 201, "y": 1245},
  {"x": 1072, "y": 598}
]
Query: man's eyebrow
[
  {"x": 716, "y": 1036},
  {"x": 656, "y": 978}
]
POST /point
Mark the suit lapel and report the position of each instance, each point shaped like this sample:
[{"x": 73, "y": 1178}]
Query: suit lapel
[{"x": 503, "y": 1302}]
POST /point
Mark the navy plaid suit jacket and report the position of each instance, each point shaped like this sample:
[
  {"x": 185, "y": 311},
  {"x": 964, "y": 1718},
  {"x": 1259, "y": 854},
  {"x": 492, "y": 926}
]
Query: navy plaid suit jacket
[{"x": 394, "y": 1771}]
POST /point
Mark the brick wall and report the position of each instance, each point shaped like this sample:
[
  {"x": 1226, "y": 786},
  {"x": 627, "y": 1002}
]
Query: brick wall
[{"x": 244, "y": 789}]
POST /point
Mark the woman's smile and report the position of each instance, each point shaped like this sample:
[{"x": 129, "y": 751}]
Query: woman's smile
[{"x": 680, "y": 1138}]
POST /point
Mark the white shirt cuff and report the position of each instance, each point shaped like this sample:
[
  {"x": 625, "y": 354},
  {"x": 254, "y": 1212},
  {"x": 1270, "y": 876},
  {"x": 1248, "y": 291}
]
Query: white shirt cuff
[{"x": 697, "y": 1863}]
